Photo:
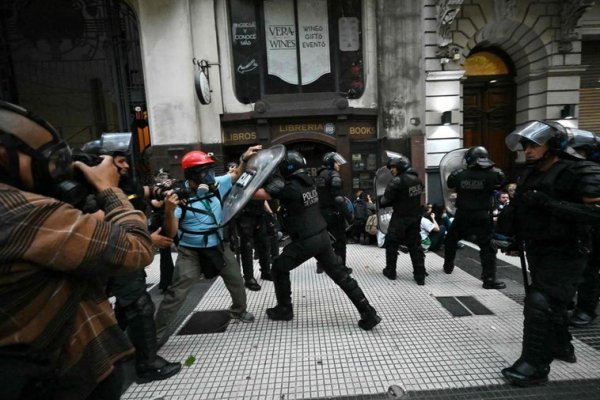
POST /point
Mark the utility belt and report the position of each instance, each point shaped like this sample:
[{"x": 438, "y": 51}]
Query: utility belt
[{"x": 298, "y": 236}]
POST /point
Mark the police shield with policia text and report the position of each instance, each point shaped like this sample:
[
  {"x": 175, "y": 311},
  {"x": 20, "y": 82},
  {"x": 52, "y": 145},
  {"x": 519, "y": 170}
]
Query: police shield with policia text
[{"x": 474, "y": 187}]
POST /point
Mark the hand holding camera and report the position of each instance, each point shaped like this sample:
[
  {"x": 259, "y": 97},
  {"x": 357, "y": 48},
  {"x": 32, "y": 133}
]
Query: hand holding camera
[{"x": 102, "y": 176}]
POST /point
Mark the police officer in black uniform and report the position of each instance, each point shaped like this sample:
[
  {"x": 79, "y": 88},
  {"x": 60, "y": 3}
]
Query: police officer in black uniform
[
  {"x": 555, "y": 202},
  {"x": 588, "y": 293},
  {"x": 332, "y": 202},
  {"x": 134, "y": 308},
  {"x": 403, "y": 193},
  {"x": 308, "y": 230},
  {"x": 474, "y": 188},
  {"x": 252, "y": 228}
]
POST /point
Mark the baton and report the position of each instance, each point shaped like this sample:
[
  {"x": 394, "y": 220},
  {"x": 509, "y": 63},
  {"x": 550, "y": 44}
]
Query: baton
[{"x": 521, "y": 249}]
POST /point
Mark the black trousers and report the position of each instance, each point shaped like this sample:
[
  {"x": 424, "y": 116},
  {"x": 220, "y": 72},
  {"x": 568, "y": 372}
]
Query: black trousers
[
  {"x": 301, "y": 250},
  {"x": 477, "y": 224},
  {"x": 405, "y": 230},
  {"x": 253, "y": 236},
  {"x": 556, "y": 271},
  {"x": 336, "y": 227}
]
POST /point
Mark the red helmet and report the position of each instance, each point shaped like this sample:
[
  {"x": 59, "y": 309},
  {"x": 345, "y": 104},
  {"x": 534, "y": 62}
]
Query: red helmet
[{"x": 195, "y": 159}]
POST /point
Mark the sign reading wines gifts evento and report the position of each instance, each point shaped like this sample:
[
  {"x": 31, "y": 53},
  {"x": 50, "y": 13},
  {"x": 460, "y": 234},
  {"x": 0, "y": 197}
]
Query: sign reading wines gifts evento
[{"x": 313, "y": 40}]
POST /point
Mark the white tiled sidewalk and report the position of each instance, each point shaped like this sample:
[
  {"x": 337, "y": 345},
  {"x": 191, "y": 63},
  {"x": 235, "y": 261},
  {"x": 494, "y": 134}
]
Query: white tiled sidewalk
[{"x": 323, "y": 352}]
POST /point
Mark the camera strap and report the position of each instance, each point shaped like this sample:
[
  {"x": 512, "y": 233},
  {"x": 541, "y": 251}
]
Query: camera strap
[{"x": 206, "y": 211}]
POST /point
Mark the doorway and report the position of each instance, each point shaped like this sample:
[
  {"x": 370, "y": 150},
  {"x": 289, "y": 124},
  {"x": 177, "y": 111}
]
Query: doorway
[
  {"x": 489, "y": 104},
  {"x": 313, "y": 152}
]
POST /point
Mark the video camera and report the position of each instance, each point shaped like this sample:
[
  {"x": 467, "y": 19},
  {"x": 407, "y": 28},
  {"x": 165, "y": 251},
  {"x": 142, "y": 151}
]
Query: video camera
[{"x": 78, "y": 191}]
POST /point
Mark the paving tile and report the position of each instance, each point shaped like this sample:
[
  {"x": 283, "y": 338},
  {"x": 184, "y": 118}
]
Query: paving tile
[{"x": 323, "y": 353}]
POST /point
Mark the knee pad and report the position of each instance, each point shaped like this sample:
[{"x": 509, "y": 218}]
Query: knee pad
[{"x": 538, "y": 301}]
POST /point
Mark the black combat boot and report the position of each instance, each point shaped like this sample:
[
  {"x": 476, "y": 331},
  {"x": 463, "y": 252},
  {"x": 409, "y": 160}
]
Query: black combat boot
[
  {"x": 581, "y": 318},
  {"x": 251, "y": 284},
  {"x": 420, "y": 280},
  {"x": 448, "y": 268},
  {"x": 281, "y": 313},
  {"x": 265, "y": 275},
  {"x": 389, "y": 273},
  {"x": 562, "y": 349},
  {"x": 149, "y": 366},
  {"x": 523, "y": 374},
  {"x": 368, "y": 316},
  {"x": 533, "y": 366},
  {"x": 492, "y": 283}
]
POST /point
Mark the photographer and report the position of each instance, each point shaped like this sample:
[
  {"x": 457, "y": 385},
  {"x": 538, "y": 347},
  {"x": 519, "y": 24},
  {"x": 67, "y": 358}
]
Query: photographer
[
  {"x": 54, "y": 261},
  {"x": 134, "y": 307},
  {"x": 201, "y": 248}
]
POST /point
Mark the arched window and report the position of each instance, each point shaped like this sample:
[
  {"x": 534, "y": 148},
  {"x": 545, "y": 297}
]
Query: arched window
[
  {"x": 485, "y": 63},
  {"x": 296, "y": 46}
]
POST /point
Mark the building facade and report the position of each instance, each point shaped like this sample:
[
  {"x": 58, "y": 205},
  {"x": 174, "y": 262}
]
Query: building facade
[{"x": 353, "y": 76}]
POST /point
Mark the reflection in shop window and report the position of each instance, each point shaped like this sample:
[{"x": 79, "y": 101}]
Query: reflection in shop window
[{"x": 296, "y": 46}]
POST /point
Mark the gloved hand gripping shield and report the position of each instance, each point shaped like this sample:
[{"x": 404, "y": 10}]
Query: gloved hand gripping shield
[{"x": 258, "y": 169}]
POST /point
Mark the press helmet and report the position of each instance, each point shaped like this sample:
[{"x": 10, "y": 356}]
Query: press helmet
[
  {"x": 478, "y": 156},
  {"x": 196, "y": 158},
  {"x": 401, "y": 162},
  {"x": 195, "y": 161},
  {"x": 51, "y": 160},
  {"x": 292, "y": 163}
]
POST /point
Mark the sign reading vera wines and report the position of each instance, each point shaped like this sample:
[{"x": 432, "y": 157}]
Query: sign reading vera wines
[{"x": 312, "y": 34}]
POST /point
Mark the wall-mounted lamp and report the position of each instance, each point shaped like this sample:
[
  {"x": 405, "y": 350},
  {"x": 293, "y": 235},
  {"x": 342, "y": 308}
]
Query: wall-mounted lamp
[
  {"x": 446, "y": 117},
  {"x": 568, "y": 111}
]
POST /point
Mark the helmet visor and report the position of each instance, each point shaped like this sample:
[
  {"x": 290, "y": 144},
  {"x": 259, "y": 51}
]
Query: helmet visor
[
  {"x": 118, "y": 142},
  {"x": 339, "y": 159},
  {"x": 536, "y": 132},
  {"x": 580, "y": 138}
]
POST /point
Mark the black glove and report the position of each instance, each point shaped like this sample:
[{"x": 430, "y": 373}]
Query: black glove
[{"x": 535, "y": 198}]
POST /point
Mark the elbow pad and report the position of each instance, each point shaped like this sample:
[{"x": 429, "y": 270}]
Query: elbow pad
[{"x": 275, "y": 187}]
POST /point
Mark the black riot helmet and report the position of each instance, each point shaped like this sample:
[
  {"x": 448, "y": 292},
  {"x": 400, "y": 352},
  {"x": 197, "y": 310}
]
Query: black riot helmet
[
  {"x": 585, "y": 143},
  {"x": 478, "y": 156},
  {"x": 292, "y": 163},
  {"x": 51, "y": 159},
  {"x": 329, "y": 159},
  {"x": 401, "y": 162},
  {"x": 540, "y": 132},
  {"x": 92, "y": 147}
]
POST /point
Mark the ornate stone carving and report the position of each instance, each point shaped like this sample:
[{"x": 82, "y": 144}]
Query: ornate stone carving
[
  {"x": 446, "y": 13},
  {"x": 505, "y": 9},
  {"x": 570, "y": 14}
]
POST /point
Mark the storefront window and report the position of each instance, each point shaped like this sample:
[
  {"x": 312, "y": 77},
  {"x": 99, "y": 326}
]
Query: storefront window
[
  {"x": 296, "y": 46},
  {"x": 364, "y": 165}
]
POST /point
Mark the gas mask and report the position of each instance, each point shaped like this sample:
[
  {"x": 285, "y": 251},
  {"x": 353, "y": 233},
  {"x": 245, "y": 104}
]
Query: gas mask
[{"x": 205, "y": 178}]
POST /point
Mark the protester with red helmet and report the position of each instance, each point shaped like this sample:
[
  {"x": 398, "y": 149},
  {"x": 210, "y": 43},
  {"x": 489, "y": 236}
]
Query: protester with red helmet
[{"x": 196, "y": 223}]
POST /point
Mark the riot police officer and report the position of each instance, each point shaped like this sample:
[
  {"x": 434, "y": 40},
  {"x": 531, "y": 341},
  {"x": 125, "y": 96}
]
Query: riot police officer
[
  {"x": 332, "y": 202},
  {"x": 134, "y": 308},
  {"x": 475, "y": 187},
  {"x": 252, "y": 229},
  {"x": 403, "y": 193},
  {"x": 588, "y": 292},
  {"x": 308, "y": 230},
  {"x": 555, "y": 199}
]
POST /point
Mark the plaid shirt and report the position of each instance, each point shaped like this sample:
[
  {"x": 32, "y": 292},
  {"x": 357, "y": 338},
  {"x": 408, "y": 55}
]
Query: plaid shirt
[{"x": 54, "y": 262}]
